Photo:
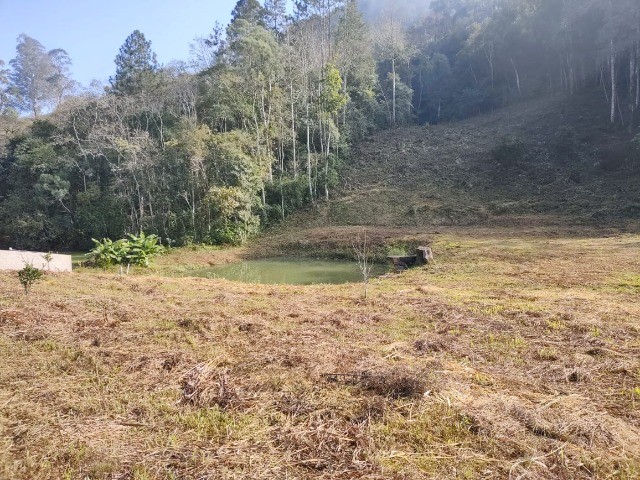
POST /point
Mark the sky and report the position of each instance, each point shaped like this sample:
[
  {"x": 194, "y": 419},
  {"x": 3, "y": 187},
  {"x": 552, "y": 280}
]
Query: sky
[{"x": 92, "y": 31}]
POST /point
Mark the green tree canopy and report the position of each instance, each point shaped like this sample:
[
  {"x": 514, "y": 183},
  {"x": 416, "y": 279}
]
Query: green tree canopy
[
  {"x": 135, "y": 63},
  {"x": 249, "y": 10},
  {"x": 38, "y": 79}
]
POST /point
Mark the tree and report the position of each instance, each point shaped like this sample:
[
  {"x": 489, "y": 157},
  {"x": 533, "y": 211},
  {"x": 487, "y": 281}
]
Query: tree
[
  {"x": 4, "y": 85},
  {"x": 205, "y": 50},
  {"x": 135, "y": 63},
  {"x": 275, "y": 14},
  {"x": 60, "y": 79},
  {"x": 392, "y": 46},
  {"x": 323, "y": 12},
  {"x": 249, "y": 10},
  {"x": 354, "y": 55},
  {"x": 38, "y": 79},
  {"x": 362, "y": 251}
]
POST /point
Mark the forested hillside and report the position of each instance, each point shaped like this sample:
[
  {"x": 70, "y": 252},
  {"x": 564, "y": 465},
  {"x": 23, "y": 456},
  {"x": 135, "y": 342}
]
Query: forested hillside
[{"x": 271, "y": 110}]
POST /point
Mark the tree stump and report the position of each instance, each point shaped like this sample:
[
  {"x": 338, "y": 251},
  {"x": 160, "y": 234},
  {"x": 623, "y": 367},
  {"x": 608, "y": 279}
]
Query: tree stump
[{"x": 425, "y": 255}]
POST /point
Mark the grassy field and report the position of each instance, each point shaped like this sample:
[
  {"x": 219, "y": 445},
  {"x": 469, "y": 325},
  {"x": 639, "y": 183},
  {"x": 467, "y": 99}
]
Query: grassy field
[{"x": 515, "y": 355}]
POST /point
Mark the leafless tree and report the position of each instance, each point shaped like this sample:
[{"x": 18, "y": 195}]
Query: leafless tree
[{"x": 363, "y": 254}]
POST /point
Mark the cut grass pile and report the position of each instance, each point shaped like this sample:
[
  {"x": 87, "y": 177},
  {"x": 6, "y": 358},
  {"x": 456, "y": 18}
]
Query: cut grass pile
[{"x": 514, "y": 356}]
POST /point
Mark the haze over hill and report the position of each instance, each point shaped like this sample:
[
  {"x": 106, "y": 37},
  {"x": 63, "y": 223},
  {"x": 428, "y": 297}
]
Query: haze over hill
[{"x": 405, "y": 10}]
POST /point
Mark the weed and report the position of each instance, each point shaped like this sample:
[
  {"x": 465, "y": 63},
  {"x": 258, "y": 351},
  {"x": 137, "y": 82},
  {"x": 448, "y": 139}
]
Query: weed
[
  {"x": 482, "y": 379},
  {"x": 635, "y": 395},
  {"x": 547, "y": 354},
  {"x": 214, "y": 424},
  {"x": 555, "y": 324}
]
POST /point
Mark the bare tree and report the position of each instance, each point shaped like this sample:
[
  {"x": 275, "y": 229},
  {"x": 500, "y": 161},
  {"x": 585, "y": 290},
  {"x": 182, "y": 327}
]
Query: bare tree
[{"x": 363, "y": 254}]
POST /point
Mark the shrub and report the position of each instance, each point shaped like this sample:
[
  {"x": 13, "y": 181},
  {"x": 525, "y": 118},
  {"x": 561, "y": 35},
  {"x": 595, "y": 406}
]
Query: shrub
[
  {"x": 509, "y": 152},
  {"x": 565, "y": 145},
  {"x": 107, "y": 253},
  {"x": 614, "y": 157},
  {"x": 634, "y": 157},
  {"x": 28, "y": 276}
]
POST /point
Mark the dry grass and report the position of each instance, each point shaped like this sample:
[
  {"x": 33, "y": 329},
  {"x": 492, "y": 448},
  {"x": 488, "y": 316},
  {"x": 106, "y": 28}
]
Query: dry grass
[{"x": 512, "y": 357}]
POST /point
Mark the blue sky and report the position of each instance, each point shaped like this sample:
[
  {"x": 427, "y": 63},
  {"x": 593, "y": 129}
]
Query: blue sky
[{"x": 92, "y": 31}]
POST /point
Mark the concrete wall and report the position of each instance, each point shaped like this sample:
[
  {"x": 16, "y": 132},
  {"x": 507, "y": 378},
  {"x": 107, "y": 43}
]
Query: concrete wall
[{"x": 16, "y": 259}]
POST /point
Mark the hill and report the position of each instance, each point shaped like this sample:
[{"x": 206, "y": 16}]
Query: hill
[{"x": 561, "y": 163}]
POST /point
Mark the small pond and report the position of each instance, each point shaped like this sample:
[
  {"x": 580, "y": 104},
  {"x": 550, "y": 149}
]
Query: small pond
[{"x": 299, "y": 271}]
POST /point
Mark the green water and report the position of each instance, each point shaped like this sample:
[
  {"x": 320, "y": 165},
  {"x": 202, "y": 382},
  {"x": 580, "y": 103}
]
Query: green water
[{"x": 288, "y": 271}]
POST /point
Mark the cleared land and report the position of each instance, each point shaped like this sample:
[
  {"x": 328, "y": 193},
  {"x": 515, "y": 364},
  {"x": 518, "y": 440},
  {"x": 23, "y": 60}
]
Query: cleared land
[
  {"x": 568, "y": 173},
  {"x": 516, "y": 355}
]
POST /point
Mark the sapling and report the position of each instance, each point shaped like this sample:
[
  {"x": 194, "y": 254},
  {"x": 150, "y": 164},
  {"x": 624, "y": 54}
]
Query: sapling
[
  {"x": 47, "y": 257},
  {"x": 362, "y": 251},
  {"x": 28, "y": 276}
]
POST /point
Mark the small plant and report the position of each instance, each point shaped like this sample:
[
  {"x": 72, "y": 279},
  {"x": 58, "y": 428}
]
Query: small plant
[
  {"x": 47, "y": 257},
  {"x": 482, "y": 379},
  {"x": 28, "y": 276},
  {"x": 362, "y": 251},
  {"x": 548, "y": 354},
  {"x": 635, "y": 395}
]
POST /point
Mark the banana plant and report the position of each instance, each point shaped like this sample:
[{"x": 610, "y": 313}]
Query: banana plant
[
  {"x": 107, "y": 253},
  {"x": 142, "y": 248},
  {"x": 134, "y": 250}
]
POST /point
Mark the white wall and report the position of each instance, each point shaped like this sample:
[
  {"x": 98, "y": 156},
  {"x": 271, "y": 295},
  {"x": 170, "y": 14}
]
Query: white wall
[{"x": 16, "y": 260}]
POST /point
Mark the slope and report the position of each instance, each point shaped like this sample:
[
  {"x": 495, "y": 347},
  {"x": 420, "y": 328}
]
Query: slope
[{"x": 562, "y": 163}]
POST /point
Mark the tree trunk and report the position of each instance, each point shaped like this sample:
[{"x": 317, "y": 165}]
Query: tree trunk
[
  {"x": 614, "y": 91},
  {"x": 393, "y": 109},
  {"x": 515, "y": 69},
  {"x": 309, "y": 154},
  {"x": 344, "y": 109},
  {"x": 604, "y": 84},
  {"x": 488, "y": 51},
  {"x": 632, "y": 72},
  {"x": 638, "y": 68},
  {"x": 282, "y": 199},
  {"x": 193, "y": 208},
  {"x": 293, "y": 135},
  {"x": 326, "y": 169}
]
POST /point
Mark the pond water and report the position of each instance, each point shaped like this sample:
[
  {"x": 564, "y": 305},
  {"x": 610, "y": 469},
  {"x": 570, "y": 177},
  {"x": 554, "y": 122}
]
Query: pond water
[{"x": 288, "y": 271}]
